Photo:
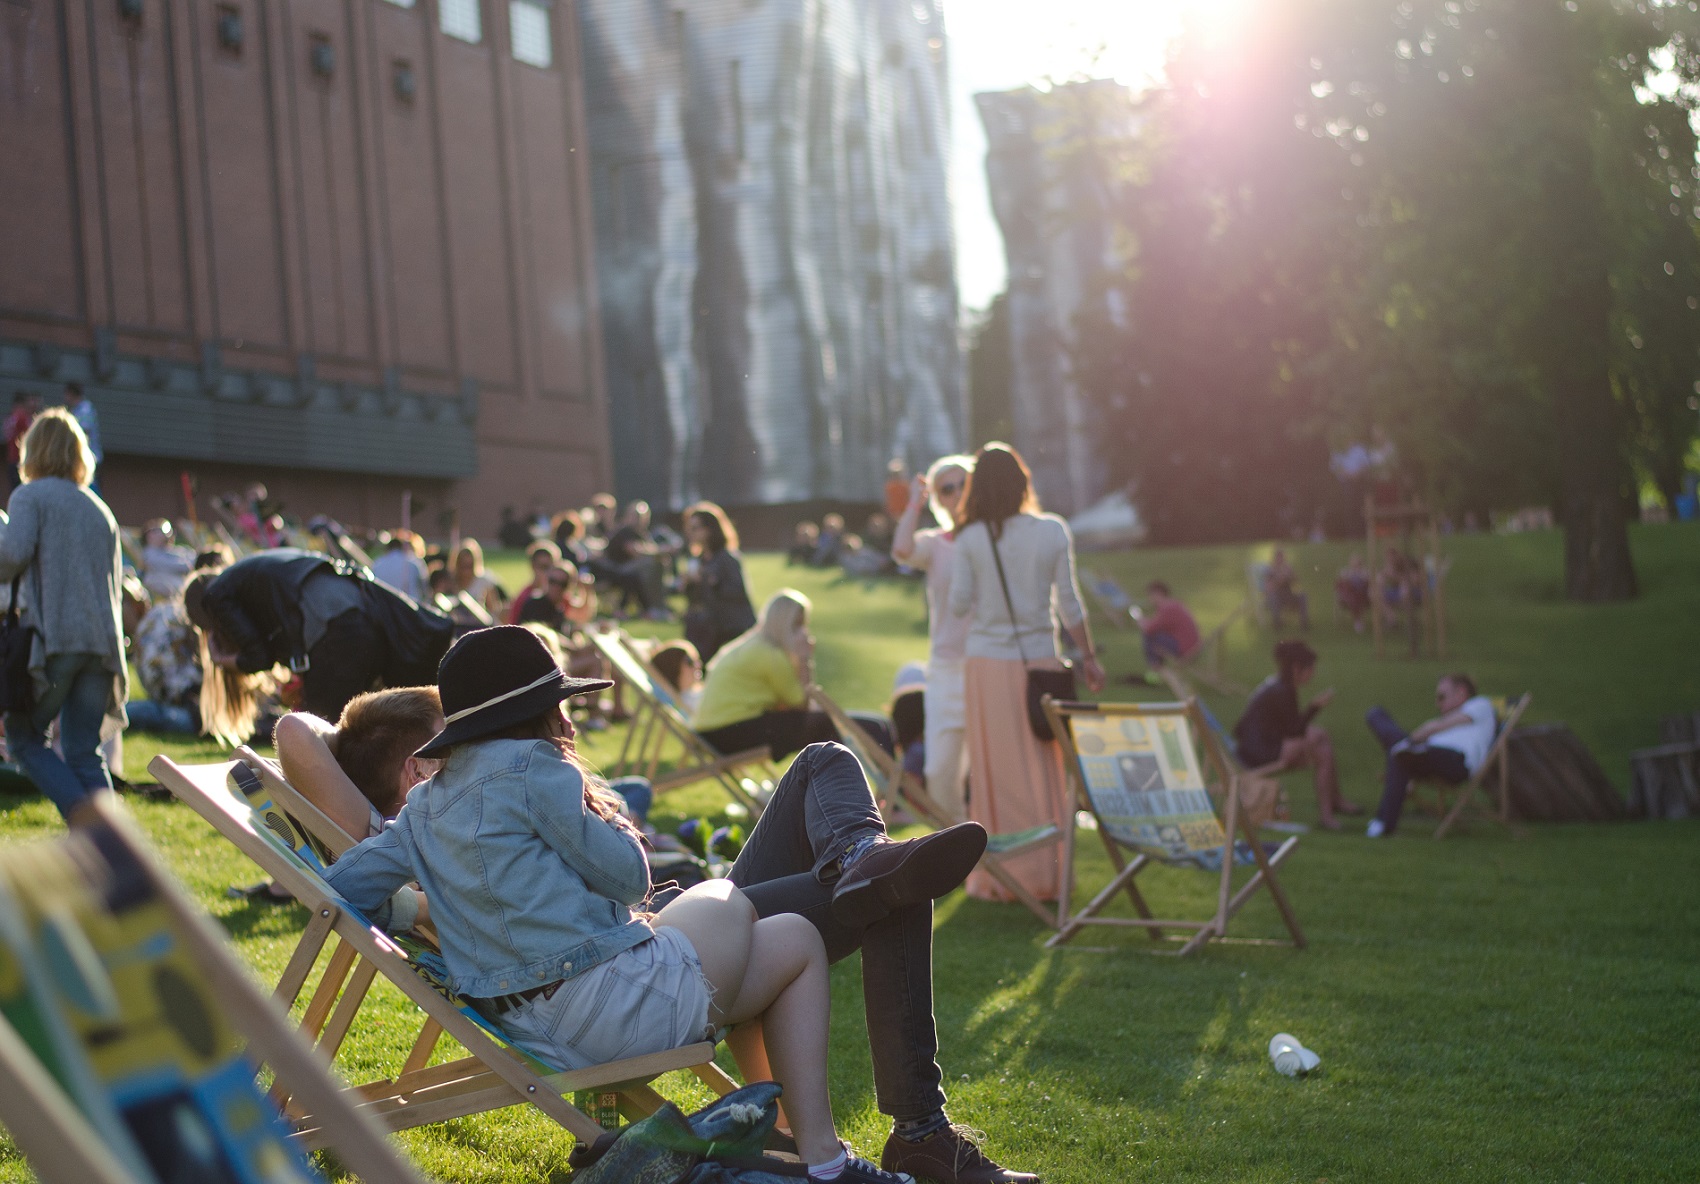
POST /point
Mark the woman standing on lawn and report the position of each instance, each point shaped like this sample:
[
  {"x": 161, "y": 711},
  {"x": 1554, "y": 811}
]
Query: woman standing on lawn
[
  {"x": 1017, "y": 779},
  {"x": 62, "y": 540},
  {"x": 930, "y": 551}
]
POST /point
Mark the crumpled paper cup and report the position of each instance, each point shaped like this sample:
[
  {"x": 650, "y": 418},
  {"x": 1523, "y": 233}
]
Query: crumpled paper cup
[{"x": 1290, "y": 1057}]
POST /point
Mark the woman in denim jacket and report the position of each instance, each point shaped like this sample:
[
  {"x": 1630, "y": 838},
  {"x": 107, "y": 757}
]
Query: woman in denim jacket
[{"x": 533, "y": 874}]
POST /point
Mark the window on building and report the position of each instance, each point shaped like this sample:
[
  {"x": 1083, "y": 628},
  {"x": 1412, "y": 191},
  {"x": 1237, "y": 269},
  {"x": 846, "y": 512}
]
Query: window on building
[
  {"x": 403, "y": 3},
  {"x": 737, "y": 90},
  {"x": 461, "y": 19},
  {"x": 528, "y": 22}
]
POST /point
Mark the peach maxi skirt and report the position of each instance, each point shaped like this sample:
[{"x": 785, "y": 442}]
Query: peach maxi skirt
[{"x": 1015, "y": 781}]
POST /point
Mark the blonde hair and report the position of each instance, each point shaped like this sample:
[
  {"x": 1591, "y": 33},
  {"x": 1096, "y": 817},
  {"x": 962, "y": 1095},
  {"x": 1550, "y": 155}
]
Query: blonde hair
[
  {"x": 55, "y": 446},
  {"x": 963, "y": 463},
  {"x": 786, "y": 611},
  {"x": 230, "y": 700}
]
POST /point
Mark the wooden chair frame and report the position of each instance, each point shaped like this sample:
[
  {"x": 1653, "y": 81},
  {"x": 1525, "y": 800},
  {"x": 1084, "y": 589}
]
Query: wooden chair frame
[
  {"x": 1411, "y": 519},
  {"x": 1205, "y": 661},
  {"x": 894, "y": 786},
  {"x": 1498, "y": 756},
  {"x": 491, "y": 1077},
  {"x": 658, "y": 719},
  {"x": 60, "y": 1143},
  {"x": 1228, "y": 900}
]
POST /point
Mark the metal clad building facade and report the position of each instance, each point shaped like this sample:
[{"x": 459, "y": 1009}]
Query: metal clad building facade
[
  {"x": 1044, "y": 167},
  {"x": 341, "y": 245},
  {"x": 773, "y": 236}
]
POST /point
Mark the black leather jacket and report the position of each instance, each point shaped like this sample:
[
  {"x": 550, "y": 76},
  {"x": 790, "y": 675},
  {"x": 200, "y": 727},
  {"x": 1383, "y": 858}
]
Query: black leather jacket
[{"x": 256, "y": 604}]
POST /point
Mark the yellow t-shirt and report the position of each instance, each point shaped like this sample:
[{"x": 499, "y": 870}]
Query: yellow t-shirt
[{"x": 746, "y": 681}]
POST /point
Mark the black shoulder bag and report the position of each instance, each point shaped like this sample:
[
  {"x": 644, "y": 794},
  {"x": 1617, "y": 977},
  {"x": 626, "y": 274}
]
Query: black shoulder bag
[
  {"x": 17, "y": 691},
  {"x": 1058, "y": 684}
]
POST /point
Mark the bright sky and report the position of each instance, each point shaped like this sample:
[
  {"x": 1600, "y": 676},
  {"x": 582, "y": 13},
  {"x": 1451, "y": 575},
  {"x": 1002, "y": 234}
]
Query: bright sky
[{"x": 1003, "y": 44}]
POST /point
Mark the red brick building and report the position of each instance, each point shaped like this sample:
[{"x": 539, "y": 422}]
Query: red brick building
[{"x": 341, "y": 246}]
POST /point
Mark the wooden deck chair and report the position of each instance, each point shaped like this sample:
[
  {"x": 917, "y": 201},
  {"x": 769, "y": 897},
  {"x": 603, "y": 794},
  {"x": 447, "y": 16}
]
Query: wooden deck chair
[
  {"x": 1498, "y": 757},
  {"x": 1137, "y": 768},
  {"x": 657, "y": 719},
  {"x": 1205, "y": 661},
  {"x": 1111, "y": 598},
  {"x": 893, "y": 786},
  {"x": 131, "y": 1035},
  {"x": 491, "y": 1077}
]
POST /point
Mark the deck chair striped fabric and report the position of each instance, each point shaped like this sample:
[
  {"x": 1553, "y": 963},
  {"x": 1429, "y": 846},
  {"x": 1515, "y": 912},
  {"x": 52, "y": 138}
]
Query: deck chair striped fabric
[
  {"x": 492, "y": 1076},
  {"x": 660, "y": 717},
  {"x": 1139, "y": 768},
  {"x": 131, "y": 1037}
]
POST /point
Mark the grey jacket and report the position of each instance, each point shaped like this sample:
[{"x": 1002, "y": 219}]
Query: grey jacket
[
  {"x": 64, "y": 540},
  {"x": 526, "y": 885}
]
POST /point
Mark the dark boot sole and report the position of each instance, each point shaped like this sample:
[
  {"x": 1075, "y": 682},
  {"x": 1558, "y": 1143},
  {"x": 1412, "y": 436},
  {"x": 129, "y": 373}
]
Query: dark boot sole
[{"x": 931, "y": 867}]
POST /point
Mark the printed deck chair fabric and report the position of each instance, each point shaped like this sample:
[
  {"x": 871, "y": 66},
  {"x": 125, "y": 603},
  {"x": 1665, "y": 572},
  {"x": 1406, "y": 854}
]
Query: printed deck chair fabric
[
  {"x": 131, "y": 1037},
  {"x": 1498, "y": 759},
  {"x": 895, "y": 787},
  {"x": 1137, "y": 768},
  {"x": 661, "y": 717},
  {"x": 490, "y": 1077}
]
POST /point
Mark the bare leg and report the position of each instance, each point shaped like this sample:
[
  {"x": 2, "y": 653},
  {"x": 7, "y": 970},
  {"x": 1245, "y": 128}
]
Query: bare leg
[
  {"x": 1300, "y": 752},
  {"x": 773, "y": 969}
]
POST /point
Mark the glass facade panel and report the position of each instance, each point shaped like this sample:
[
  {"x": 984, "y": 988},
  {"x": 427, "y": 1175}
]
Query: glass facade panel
[
  {"x": 529, "y": 22},
  {"x": 461, "y": 19}
]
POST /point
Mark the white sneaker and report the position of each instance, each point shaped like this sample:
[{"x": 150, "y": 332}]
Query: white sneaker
[{"x": 1375, "y": 829}]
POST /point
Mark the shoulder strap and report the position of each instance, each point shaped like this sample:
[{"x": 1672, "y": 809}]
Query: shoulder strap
[{"x": 1007, "y": 602}]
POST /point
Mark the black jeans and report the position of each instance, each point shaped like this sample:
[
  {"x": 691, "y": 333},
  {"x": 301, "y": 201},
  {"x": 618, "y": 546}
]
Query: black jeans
[
  {"x": 1440, "y": 764},
  {"x": 821, "y": 805},
  {"x": 352, "y": 657},
  {"x": 785, "y": 732}
]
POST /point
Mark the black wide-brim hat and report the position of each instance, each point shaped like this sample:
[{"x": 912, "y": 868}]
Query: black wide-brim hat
[{"x": 495, "y": 678}]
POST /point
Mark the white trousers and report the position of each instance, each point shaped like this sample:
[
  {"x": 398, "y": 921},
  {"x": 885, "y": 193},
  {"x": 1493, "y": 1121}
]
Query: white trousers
[{"x": 947, "y": 754}]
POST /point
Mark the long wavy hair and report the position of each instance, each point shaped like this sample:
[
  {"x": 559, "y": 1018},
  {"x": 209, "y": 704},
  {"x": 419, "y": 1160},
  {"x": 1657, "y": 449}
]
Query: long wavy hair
[
  {"x": 785, "y": 612},
  {"x": 598, "y": 798},
  {"x": 999, "y": 488},
  {"x": 230, "y": 699}
]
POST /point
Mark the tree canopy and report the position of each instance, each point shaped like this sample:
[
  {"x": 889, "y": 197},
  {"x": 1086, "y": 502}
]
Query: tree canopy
[{"x": 1465, "y": 226}]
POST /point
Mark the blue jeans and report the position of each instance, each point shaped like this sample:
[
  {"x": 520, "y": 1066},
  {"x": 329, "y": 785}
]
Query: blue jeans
[
  {"x": 149, "y": 716},
  {"x": 1161, "y": 648},
  {"x": 819, "y": 808},
  {"x": 1438, "y": 764},
  {"x": 78, "y": 687}
]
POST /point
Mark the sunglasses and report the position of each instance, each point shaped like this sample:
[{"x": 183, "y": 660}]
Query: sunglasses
[{"x": 948, "y": 489}]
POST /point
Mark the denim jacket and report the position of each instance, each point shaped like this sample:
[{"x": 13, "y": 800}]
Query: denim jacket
[{"x": 526, "y": 885}]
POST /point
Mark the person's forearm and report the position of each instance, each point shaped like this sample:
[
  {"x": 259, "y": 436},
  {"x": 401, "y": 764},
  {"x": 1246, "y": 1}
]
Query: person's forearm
[
  {"x": 903, "y": 538},
  {"x": 1081, "y": 635}
]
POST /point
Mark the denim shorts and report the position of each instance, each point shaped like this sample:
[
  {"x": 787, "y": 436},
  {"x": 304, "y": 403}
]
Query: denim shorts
[{"x": 649, "y": 998}]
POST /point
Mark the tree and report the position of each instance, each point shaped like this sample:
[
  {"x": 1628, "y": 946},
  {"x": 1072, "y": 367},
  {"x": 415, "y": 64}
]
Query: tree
[{"x": 1469, "y": 224}]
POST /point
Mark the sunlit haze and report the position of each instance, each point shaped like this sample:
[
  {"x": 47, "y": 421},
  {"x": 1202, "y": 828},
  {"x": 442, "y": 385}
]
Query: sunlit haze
[{"x": 1003, "y": 44}]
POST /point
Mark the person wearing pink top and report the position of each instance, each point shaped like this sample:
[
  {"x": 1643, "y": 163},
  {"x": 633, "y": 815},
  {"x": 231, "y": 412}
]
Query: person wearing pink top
[
  {"x": 930, "y": 551},
  {"x": 1170, "y": 632}
]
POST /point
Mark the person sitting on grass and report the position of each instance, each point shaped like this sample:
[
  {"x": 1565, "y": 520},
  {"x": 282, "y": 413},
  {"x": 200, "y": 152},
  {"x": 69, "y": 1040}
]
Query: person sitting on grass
[
  {"x": 1351, "y": 590},
  {"x": 1169, "y": 630},
  {"x": 681, "y": 666},
  {"x": 1448, "y": 748},
  {"x": 554, "y": 949},
  {"x": 1274, "y": 734},
  {"x": 1281, "y": 591}
]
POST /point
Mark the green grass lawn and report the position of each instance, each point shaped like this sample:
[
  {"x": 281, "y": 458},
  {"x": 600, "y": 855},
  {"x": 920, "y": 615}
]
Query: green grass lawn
[{"x": 1500, "y": 1006}]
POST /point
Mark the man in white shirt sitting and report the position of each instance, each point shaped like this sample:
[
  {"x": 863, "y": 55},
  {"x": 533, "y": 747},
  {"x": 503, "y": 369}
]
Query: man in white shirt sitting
[{"x": 1450, "y": 747}]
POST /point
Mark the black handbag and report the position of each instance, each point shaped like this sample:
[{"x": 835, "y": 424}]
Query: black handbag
[
  {"x": 17, "y": 691},
  {"x": 1058, "y": 684}
]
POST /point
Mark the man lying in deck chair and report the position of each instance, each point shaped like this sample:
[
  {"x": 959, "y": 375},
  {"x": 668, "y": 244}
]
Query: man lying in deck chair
[
  {"x": 1448, "y": 748},
  {"x": 820, "y": 851}
]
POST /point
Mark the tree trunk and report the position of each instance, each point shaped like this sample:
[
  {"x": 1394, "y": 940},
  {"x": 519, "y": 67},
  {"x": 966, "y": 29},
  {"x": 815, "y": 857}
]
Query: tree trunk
[{"x": 1597, "y": 563}]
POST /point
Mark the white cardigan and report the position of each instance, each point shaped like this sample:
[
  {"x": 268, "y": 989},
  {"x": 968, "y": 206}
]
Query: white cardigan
[{"x": 1038, "y": 561}]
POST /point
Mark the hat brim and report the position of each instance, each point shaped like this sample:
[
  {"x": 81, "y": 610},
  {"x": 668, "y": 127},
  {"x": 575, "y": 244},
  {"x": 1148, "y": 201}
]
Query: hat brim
[{"x": 509, "y": 712}]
